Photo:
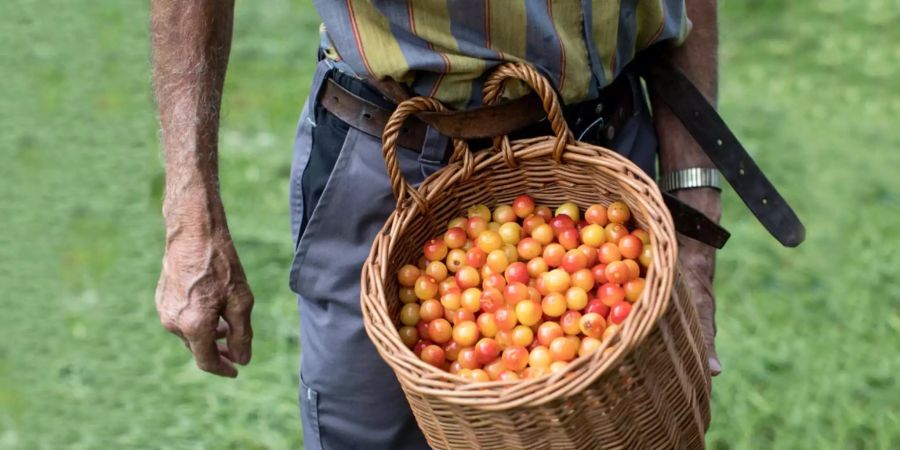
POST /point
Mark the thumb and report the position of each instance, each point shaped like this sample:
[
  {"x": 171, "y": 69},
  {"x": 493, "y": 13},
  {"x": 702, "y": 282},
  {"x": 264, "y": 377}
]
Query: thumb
[{"x": 703, "y": 297}]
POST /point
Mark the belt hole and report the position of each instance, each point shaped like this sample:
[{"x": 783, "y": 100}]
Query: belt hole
[
  {"x": 367, "y": 116},
  {"x": 335, "y": 98}
]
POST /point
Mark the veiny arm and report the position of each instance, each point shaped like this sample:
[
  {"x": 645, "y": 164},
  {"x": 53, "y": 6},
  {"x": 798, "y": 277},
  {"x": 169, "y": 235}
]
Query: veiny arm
[
  {"x": 697, "y": 58},
  {"x": 202, "y": 280}
]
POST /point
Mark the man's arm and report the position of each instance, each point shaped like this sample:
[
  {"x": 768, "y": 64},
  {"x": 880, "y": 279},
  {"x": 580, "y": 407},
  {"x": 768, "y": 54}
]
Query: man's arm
[
  {"x": 202, "y": 279},
  {"x": 678, "y": 150}
]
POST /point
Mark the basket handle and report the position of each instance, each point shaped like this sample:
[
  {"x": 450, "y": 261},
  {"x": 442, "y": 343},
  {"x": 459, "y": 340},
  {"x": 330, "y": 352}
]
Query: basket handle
[
  {"x": 399, "y": 185},
  {"x": 493, "y": 90}
]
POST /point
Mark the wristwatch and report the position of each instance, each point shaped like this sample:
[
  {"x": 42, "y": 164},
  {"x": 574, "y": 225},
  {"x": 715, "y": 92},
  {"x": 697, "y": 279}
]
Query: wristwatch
[{"x": 694, "y": 177}]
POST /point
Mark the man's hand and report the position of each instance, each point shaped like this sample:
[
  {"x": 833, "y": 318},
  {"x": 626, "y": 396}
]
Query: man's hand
[
  {"x": 698, "y": 263},
  {"x": 202, "y": 280}
]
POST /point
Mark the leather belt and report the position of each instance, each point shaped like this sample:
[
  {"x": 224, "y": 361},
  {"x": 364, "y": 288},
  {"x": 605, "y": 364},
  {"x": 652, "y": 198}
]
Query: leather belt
[
  {"x": 474, "y": 124},
  {"x": 368, "y": 117},
  {"x": 725, "y": 151},
  {"x": 478, "y": 123}
]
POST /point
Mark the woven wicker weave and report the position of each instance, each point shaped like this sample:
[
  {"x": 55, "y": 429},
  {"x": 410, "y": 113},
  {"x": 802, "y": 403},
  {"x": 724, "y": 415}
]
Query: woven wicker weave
[{"x": 651, "y": 391}]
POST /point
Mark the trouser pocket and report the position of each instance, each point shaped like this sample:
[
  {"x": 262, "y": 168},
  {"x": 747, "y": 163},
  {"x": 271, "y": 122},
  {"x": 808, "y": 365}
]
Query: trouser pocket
[{"x": 309, "y": 415}]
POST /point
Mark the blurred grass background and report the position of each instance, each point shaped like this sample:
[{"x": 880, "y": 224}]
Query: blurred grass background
[{"x": 809, "y": 338}]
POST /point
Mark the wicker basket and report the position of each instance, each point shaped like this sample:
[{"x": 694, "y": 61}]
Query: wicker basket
[{"x": 651, "y": 391}]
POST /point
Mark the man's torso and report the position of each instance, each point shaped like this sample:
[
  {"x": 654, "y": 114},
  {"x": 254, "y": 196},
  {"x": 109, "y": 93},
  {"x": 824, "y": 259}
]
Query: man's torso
[{"x": 442, "y": 48}]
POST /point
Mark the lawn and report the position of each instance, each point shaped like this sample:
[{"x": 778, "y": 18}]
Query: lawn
[{"x": 808, "y": 337}]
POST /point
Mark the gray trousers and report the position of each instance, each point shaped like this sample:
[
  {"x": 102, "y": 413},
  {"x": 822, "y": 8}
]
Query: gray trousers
[{"x": 349, "y": 398}]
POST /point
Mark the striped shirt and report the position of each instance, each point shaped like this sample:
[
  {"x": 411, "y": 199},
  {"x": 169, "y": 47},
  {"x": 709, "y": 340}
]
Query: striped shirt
[{"x": 443, "y": 48}]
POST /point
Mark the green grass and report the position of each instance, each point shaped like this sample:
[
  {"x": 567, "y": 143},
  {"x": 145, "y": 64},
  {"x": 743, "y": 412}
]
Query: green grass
[{"x": 808, "y": 337}]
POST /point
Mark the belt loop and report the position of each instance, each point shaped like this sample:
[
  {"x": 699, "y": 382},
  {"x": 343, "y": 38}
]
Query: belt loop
[
  {"x": 323, "y": 69},
  {"x": 639, "y": 98},
  {"x": 434, "y": 149}
]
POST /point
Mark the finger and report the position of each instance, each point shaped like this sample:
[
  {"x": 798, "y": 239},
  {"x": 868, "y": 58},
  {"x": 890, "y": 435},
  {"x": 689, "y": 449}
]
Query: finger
[
  {"x": 222, "y": 329},
  {"x": 201, "y": 336},
  {"x": 223, "y": 350},
  {"x": 704, "y": 299},
  {"x": 208, "y": 358},
  {"x": 715, "y": 367},
  {"x": 240, "y": 333}
]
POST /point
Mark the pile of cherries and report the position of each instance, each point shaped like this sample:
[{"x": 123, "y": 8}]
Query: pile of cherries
[{"x": 522, "y": 291}]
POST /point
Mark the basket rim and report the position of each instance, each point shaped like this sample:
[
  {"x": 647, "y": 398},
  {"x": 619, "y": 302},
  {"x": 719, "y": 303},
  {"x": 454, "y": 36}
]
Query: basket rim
[{"x": 425, "y": 379}]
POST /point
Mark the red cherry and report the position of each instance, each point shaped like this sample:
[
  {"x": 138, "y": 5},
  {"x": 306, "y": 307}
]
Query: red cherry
[
  {"x": 619, "y": 312},
  {"x": 597, "y": 306},
  {"x": 435, "y": 249},
  {"x": 610, "y": 294},
  {"x": 590, "y": 253},
  {"x": 422, "y": 329},
  {"x": 596, "y": 214},
  {"x": 516, "y": 272},
  {"x": 433, "y": 354},
  {"x": 476, "y": 257},
  {"x": 420, "y": 346},
  {"x": 531, "y": 222},
  {"x": 544, "y": 212},
  {"x": 523, "y": 206},
  {"x": 474, "y": 227},
  {"x": 553, "y": 254},
  {"x": 487, "y": 350},
  {"x": 569, "y": 237},
  {"x": 514, "y": 293},
  {"x": 515, "y": 358},
  {"x": 492, "y": 300},
  {"x": 561, "y": 222},
  {"x": 599, "y": 272},
  {"x": 574, "y": 260},
  {"x": 495, "y": 281},
  {"x": 630, "y": 246}
]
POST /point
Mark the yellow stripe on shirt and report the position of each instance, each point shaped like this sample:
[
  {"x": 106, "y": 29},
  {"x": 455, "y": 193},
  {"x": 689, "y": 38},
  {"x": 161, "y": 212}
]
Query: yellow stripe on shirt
[
  {"x": 650, "y": 20},
  {"x": 577, "y": 73},
  {"x": 432, "y": 23},
  {"x": 378, "y": 45},
  {"x": 507, "y": 24},
  {"x": 605, "y": 25}
]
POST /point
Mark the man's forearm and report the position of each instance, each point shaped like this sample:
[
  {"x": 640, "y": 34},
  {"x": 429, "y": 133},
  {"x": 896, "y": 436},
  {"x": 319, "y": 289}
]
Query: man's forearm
[
  {"x": 697, "y": 58},
  {"x": 191, "y": 43}
]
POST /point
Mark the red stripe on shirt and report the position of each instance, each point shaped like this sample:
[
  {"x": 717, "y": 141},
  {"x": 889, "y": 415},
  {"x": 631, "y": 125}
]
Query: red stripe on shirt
[
  {"x": 487, "y": 29},
  {"x": 487, "y": 23},
  {"x": 659, "y": 29},
  {"x": 562, "y": 48},
  {"x": 411, "y": 17},
  {"x": 437, "y": 83},
  {"x": 359, "y": 45}
]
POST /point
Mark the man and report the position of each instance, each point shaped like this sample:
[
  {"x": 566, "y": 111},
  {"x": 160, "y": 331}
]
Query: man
[{"x": 340, "y": 195}]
